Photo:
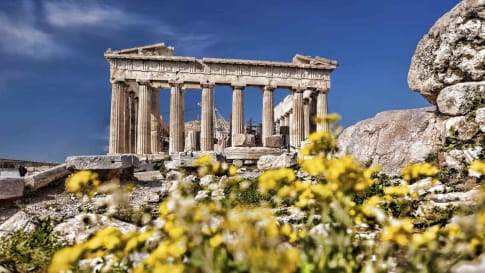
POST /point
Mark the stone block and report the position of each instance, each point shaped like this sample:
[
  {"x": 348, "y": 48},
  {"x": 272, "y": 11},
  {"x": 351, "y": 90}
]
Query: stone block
[
  {"x": 101, "y": 162},
  {"x": 46, "y": 177},
  {"x": 250, "y": 153},
  {"x": 243, "y": 140},
  {"x": 285, "y": 160},
  {"x": 274, "y": 141},
  {"x": 12, "y": 187},
  {"x": 463, "y": 128}
]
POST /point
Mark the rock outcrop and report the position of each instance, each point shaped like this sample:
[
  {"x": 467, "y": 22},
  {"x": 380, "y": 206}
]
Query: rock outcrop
[
  {"x": 393, "y": 139},
  {"x": 452, "y": 52}
]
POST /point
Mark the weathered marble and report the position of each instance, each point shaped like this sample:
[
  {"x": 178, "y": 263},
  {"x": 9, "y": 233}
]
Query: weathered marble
[
  {"x": 101, "y": 162},
  {"x": 451, "y": 52}
]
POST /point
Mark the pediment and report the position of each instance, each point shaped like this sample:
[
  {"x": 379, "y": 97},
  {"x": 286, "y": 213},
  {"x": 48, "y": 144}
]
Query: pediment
[
  {"x": 302, "y": 59},
  {"x": 149, "y": 50}
]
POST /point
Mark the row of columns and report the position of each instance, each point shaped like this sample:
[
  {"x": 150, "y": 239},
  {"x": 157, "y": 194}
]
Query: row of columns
[{"x": 135, "y": 122}]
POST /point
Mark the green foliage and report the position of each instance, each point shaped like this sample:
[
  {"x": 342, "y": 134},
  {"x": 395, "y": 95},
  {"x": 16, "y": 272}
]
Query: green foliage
[{"x": 30, "y": 251}]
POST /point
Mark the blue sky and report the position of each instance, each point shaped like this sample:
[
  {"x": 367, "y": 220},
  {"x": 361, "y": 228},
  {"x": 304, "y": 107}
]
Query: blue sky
[{"x": 54, "y": 80}]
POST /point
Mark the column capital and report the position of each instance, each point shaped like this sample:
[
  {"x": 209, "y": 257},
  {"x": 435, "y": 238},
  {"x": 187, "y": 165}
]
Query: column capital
[
  {"x": 175, "y": 83},
  {"x": 118, "y": 81},
  {"x": 144, "y": 82},
  {"x": 269, "y": 88},
  {"x": 322, "y": 90},
  {"x": 207, "y": 85},
  {"x": 238, "y": 86}
]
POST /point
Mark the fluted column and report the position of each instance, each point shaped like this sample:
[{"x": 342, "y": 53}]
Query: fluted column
[
  {"x": 313, "y": 113},
  {"x": 286, "y": 120},
  {"x": 207, "y": 118},
  {"x": 268, "y": 114},
  {"x": 155, "y": 122},
  {"x": 297, "y": 127},
  {"x": 117, "y": 124},
  {"x": 306, "y": 117},
  {"x": 144, "y": 120},
  {"x": 237, "y": 111},
  {"x": 176, "y": 139},
  {"x": 322, "y": 110},
  {"x": 130, "y": 124},
  {"x": 126, "y": 121},
  {"x": 290, "y": 125}
]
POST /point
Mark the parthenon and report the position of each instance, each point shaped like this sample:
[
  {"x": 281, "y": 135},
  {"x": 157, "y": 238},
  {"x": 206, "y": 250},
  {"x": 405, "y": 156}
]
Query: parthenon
[{"x": 138, "y": 74}]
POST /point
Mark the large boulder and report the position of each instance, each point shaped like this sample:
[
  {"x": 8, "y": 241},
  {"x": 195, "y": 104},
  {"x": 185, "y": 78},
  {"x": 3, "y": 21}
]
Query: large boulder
[
  {"x": 461, "y": 98},
  {"x": 451, "y": 52},
  {"x": 393, "y": 139}
]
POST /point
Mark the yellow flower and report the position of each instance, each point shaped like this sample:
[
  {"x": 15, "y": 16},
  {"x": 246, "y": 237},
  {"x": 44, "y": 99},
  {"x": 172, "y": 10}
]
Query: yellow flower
[
  {"x": 82, "y": 180},
  {"x": 232, "y": 171},
  {"x": 398, "y": 231},
  {"x": 216, "y": 240},
  {"x": 478, "y": 166},
  {"x": 397, "y": 190},
  {"x": 414, "y": 172},
  {"x": 203, "y": 160},
  {"x": 429, "y": 235}
]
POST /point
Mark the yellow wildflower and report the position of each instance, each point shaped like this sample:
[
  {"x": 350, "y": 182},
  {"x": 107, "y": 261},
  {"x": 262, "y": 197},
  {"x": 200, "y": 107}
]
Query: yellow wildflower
[
  {"x": 216, "y": 240},
  {"x": 398, "y": 231},
  {"x": 429, "y": 235},
  {"x": 414, "y": 172},
  {"x": 400, "y": 190},
  {"x": 478, "y": 166},
  {"x": 82, "y": 180}
]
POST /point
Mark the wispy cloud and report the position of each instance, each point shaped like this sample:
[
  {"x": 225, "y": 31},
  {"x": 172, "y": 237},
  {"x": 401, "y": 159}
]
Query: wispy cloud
[
  {"x": 21, "y": 38},
  {"x": 66, "y": 14},
  {"x": 44, "y": 38}
]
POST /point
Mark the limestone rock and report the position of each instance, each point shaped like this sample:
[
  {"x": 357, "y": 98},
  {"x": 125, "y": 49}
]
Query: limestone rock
[
  {"x": 285, "y": 160},
  {"x": 458, "y": 99},
  {"x": 46, "y": 177},
  {"x": 275, "y": 141},
  {"x": 78, "y": 229},
  {"x": 472, "y": 154},
  {"x": 454, "y": 159},
  {"x": 243, "y": 140},
  {"x": 251, "y": 153},
  {"x": 149, "y": 176},
  {"x": 451, "y": 52},
  {"x": 393, "y": 139},
  {"x": 472, "y": 196},
  {"x": 427, "y": 185},
  {"x": 480, "y": 118},
  {"x": 101, "y": 162},
  {"x": 470, "y": 267},
  {"x": 461, "y": 128},
  {"x": 19, "y": 221},
  {"x": 11, "y": 187}
]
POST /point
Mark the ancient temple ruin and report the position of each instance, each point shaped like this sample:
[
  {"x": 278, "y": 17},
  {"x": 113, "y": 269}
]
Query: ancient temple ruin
[{"x": 138, "y": 74}]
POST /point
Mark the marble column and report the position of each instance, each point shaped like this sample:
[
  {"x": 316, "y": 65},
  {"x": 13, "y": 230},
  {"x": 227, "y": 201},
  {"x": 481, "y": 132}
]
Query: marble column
[
  {"x": 306, "y": 117},
  {"x": 143, "y": 131},
  {"x": 117, "y": 120},
  {"x": 130, "y": 124},
  {"x": 313, "y": 113},
  {"x": 290, "y": 134},
  {"x": 155, "y": 122},
  {"x": 134, "y": 137},
  {"x": 322, "y": 110},
  {"x": 176, "y": 139},
  {"x": 268, "y": 114},
  {"x": 298, "y": 127},
  {"x": 237, "y": 121},
  {"x": 126, "y": 119},
  {"x": 207, "y": 118}
]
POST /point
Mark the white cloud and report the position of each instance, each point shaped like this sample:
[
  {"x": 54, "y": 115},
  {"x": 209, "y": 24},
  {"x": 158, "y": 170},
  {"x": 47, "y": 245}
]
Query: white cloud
[
  {"x": 66, "y": 14},
  {"x": 24, "y": 39}
]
